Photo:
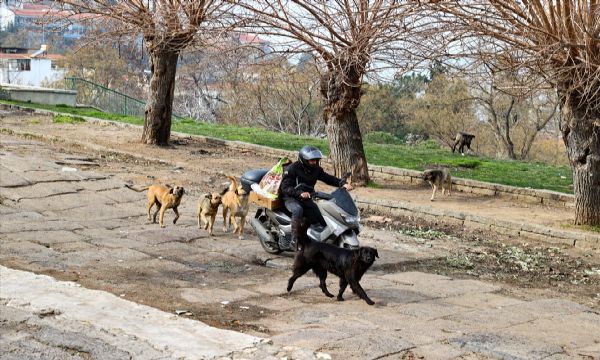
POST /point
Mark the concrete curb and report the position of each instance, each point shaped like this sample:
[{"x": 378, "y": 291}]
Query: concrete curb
[{"x": 520, "y": 229}]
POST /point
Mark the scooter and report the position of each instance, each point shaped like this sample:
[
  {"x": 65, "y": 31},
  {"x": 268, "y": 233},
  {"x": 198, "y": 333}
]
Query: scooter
[{"x": 338, "y": 210}]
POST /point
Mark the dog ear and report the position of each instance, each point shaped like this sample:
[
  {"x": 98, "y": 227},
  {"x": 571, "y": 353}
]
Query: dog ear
[
  {"x": 376, "y": 253},
  {"x": 170, "y": 190},
  {"x": 208, "y": 196}
]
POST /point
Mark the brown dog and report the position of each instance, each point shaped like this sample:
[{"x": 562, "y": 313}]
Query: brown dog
[
  {"x": 438, "y": 178},
  {"x": 235, "y": 202},
  {"x": 208, "y": 206},
  {"x": 348, "y": 265},
  {"x": 165, "y": 197}
]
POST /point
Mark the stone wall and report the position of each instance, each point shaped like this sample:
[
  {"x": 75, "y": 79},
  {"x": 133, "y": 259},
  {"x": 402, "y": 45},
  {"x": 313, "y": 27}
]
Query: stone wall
[{"x": 40, "y": 95}]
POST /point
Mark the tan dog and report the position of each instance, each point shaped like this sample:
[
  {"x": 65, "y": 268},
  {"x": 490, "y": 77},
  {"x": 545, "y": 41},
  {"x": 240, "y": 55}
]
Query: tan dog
[
  {"x": 208, "y": 205},
  {"x": 235, "y": 201},
  {"x": 165, "y": 197},
  {"x": 438, "y": 178}
]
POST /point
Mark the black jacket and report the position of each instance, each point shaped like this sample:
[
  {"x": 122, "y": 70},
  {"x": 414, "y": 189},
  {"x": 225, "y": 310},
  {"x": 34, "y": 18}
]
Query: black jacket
[{"x": 297, "y": 173}]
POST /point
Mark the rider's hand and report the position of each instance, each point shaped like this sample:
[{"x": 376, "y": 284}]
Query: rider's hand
[
  {"x": 305, "y": 195},
  {"x": 347, "y": 187}
]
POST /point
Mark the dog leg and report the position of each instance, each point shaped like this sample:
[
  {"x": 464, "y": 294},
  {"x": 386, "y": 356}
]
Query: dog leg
[
  {"x": 358, "y": 290},
  {"x": 162, "y": 216},
  {"x": 232, "y": 220},
  {"x": 241, "y": 228},
  {"x": 343, "y": 285},
  {"x": 225, "y": 227},
  {"x": 204, "y": 221},
  {"x": 322, "y": 274},
  {"x": 176, "y": 215},
  {"x": 148, "y": 208},
  {"x": 212, "y": 223},
  {"x": 158, "y": 207},
  {"x": 433, "y": 193},
  {"x": 299, "y": 270}
]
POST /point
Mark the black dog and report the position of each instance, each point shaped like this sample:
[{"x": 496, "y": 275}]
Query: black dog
[{"x": 348, "y": 265}]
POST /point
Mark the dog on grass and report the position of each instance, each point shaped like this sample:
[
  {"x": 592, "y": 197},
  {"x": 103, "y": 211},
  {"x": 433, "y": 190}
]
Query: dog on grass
[
  {"x": 348, "y": 265},
  {"x": 235, "y": 205},
  {"x": 165, "y": 197},
  {"x": 208, "y": 206},
  {"x": 438, "y": 178}
]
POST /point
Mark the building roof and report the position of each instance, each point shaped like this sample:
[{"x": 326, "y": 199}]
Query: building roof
[
  {"x": 251, "y": 39},
  {"x": 39, "y": 11},
  {"x": 28, "y": 56}
]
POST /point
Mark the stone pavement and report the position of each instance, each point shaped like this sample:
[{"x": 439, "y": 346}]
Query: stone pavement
[{"x": 56, "y": 218}]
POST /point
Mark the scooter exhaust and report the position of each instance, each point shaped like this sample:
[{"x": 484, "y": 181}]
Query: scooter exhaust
[{"x": 261, "y": 231}]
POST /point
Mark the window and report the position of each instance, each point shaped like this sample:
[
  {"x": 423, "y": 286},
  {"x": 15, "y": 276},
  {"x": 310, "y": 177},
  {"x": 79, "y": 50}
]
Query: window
[{"x": 24, "y": 64}]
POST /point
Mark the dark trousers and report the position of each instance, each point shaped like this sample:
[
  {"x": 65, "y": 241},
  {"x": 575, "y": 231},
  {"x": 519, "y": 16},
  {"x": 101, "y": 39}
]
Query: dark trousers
[{"x": 303, "y": 209}]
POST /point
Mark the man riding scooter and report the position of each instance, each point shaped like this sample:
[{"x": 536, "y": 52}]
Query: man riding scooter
[{"x": 297, "y": 200}]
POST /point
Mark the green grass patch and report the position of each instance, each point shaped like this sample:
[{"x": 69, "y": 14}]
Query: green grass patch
[
  {"x": 591, "y": 228},
  {"x": 420, "y": 157},
  {"x": 67, "y": 119}
]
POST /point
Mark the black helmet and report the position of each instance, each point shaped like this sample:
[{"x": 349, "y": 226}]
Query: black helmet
[{"x": 309, "y": 152}]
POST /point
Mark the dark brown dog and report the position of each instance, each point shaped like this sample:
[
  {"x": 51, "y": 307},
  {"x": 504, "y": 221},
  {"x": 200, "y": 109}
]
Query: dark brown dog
[
  {"x": 165, "y": 197},
  {"x": 348, "y": 265}
]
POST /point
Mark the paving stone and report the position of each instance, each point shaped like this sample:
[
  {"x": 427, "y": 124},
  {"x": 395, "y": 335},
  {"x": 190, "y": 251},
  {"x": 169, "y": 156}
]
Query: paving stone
[
  {"x": 9, "y": 179},
  {"x": 378, "y": 345},
  {"x": 583, "y": 330},
  {"x": 94, "y": 212},
  {"x": 506, "y": 346},
  {"x": 483, "y": 301},
  {"x": 48, "y": 225},
  {"x": 22, "y": 216},
  {"x": 39, "y": 190},
  {"x": 62, "y": 202},
  {"x": 438, "y": 352}
]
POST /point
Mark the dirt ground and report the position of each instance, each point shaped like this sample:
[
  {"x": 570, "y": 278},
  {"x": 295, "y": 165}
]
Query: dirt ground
[{"x": 524, "y": 269}]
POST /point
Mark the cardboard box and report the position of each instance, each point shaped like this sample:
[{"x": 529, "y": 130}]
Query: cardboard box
[{"x": 265, "y": 202}]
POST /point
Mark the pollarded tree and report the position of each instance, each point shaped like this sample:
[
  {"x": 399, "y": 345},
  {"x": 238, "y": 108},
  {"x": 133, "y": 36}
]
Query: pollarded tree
[
  {"x": 559, "y": 40},
  {"x": 167, "y": 27},
  {"x": 347, "y": 39}
]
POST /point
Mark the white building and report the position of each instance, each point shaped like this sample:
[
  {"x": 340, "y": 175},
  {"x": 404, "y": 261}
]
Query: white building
[
  {"x": 7, "y": 17},
  {"x": 29, "y": 69}
]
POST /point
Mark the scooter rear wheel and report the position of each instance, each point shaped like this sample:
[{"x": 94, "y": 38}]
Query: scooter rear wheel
[{"x": 271, "y": 248}]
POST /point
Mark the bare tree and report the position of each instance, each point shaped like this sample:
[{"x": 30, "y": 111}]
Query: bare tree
[
  {"x": 168, "y": 27},
  {"x": 558, "y": 40},
  {"x": 515, "y": 119},
  {"x": 347, "y": 38},
  {"x": 444, "y": 109}
]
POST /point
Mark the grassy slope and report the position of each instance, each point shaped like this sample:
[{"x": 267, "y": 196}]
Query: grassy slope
[{"x": 515, "y": 173}]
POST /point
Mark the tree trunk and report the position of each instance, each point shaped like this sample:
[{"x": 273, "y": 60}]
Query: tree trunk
[
  {"x": 581, "y": 134},
  {"x": 159, "y": 108},
  {"x": 343, "y": 132},
  {"x": 346, "y": 147}
]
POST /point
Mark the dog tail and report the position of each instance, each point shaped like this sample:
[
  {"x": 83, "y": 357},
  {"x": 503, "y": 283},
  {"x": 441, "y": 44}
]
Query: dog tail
[
  {"x": 233, "y": 186},
  {"x": 138, "y": 190}
]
